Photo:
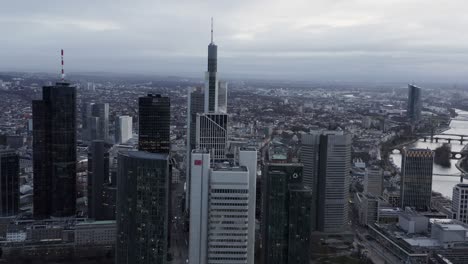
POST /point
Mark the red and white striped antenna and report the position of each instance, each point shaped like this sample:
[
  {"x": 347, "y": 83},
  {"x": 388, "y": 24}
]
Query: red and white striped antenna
[{"x": 63, "y": 72}]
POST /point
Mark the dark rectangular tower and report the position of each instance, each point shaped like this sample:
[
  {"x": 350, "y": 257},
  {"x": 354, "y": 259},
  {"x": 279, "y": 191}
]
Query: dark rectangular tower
[
  {"x": 98, "y": 175},
  {"x": 54, "y": 151},
  {"x": 416, "y": 178},
  {"x": 142, "y": 208},
  {"x": 276, "y": 210},
  {"x": 414, "y": 104},
  {"x": 9, "y": 183},
  {"x": 154, "y": 123}
]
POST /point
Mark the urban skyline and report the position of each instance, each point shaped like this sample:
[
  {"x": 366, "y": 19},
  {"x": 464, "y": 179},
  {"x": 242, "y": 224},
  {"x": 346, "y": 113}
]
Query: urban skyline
[{"x": 214, "y": 172}]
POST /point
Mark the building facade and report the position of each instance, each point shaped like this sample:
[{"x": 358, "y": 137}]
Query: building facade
[
  {"x": 373, "y": 180},
  {"x": 98, "y": 175},
  {"x": 414, "y": 104},
  {"x": 280, "y": 217},
  {"x": 9, "y": 183},
  {"x": 416, "y": 178},
  {"x": 222, "y": 225},
  {"x": 154, "y": 123},
  {"x": 212, "y": 133},
  {"x": 460, "y": 202},
  {"x": 142, "y": 208},
  {"x": 333, "y": 182},
  {"x": 123, "y": 129},
  {"x": 54, "y": 151}
]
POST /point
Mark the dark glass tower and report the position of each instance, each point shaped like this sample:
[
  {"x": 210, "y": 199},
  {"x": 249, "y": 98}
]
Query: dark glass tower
[
  {"x": 300, "y": 200},
  {"x": 142, "y": 207},
  {"x": 98, "y": 175},
  {"x": 9, "y": 183},
  {"x": 416, "y": 178},
  {"x": 154, "y": 123},
  {"x": 54, "y": 151},
  {"x": 279, "y": 214},
  {"x": 414, "y": 104}
]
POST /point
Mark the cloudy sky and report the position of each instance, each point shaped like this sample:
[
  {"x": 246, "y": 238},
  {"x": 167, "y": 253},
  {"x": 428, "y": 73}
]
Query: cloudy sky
[{"x": 356, "y": 40}]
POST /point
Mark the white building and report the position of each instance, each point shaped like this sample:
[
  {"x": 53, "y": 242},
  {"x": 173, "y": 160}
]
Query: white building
[
  {"x": 211, "y": 134},
  {"x": 222, "y": 225},
  {"x": 460, "y": 202},
  {"x": 123, "y": 129}
]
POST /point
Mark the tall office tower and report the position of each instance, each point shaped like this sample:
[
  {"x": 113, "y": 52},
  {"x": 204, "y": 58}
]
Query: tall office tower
[
  {"x": 97, "y": 121},
  {"x": 222, "y": 96},
  {"x": 211, "y": 134},
  {"x": 9, "y": 183},
  {"x": 101, "y": 111},
  {"x": 211, "y": 78},
  {"x": 123, "y": 129},
  {"x": 279, "y": 213},
  {"x": 54, "y": 151},
  {"x": 460, "y": 202},
  {"x": 142, "y": 207},
  {"x": 373, "y": 180},
  {"x": 154, "y": 123},
  {"x": 333, "y": 182},
  {"x": 195, "y": 105},
  {"x": 98, "y": 175},
  {"x": 221, "y": 230},
  {"x": 416, "y": 178},
  {"x": 300, "y": 199},
  {"x": 414, "y": 104},
  {"x": 310, "y": 160}
]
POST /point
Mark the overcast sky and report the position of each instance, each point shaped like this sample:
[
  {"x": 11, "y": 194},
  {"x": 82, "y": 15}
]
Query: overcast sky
[{"x": 358, "y": 40}]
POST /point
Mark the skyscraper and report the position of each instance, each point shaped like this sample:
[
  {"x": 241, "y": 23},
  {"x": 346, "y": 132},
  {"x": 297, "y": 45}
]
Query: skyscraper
[
  {"x": 97, "y": 122},
  {"x": 211, "y": 134},
  {"x": 222, "y": 96},
  {"x": 98, "y": 175},
  {"x": 300, "y": 200},
  {"x": 373, "y": 180},
  {"x": 333, "y": 182},
  {"x": 123, "y": 129},
  {"x": 195, "y": 105},
  {"x": 142, "y": 207},
  {"x": 211, "y": 77},
  {"x": 221, "y": 226},
  {"x": 280, "y": 216},
  {"x": 310, "y": 160},
  {"x": 54, "y": 151},
  {"x": 154, "y": 123},
  {"x": 9, "y": 183},
  {"x": 416, "y": 178},
  {"x": 460, "y": 202},
  {"x": 414, "y": 104},
  {"x": 326, "y": 156}
]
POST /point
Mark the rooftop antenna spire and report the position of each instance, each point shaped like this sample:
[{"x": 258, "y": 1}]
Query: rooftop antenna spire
[
  {"x": 63, "y": 72},
  {"x": 212, "y": 30}
]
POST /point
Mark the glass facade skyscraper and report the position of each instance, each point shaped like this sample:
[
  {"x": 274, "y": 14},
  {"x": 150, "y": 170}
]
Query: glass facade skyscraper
[
  {"x": 143, "y": 181},
  {"x": 154, "y": 123},
  {"x": 278, "y": 213},
  {"x": 54, "y": 151},
  {"x": 416, "y": 178},
  {"x": 9, "y": 183},
  {"x": 414, "y": 104}
]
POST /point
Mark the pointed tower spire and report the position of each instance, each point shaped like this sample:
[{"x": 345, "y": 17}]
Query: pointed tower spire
[{"x": 211, "y": 30}]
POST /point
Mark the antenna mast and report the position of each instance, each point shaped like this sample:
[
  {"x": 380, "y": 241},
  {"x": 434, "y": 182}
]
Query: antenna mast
[
  {"x": 63, "y": 72},
  {"x": 211, "y": 29}
]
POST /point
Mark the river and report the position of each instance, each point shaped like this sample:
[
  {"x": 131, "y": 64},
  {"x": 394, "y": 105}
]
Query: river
[{"x": 443, "y": 184}]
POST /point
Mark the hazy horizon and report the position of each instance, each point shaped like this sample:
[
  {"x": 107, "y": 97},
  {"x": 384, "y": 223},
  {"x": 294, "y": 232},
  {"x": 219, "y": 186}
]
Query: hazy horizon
[{"x": 323, "y": 40}]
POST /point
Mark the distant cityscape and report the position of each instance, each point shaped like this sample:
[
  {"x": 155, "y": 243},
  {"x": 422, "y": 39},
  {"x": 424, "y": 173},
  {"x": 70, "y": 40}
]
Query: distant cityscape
[{"x": 105, "y": 169}]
